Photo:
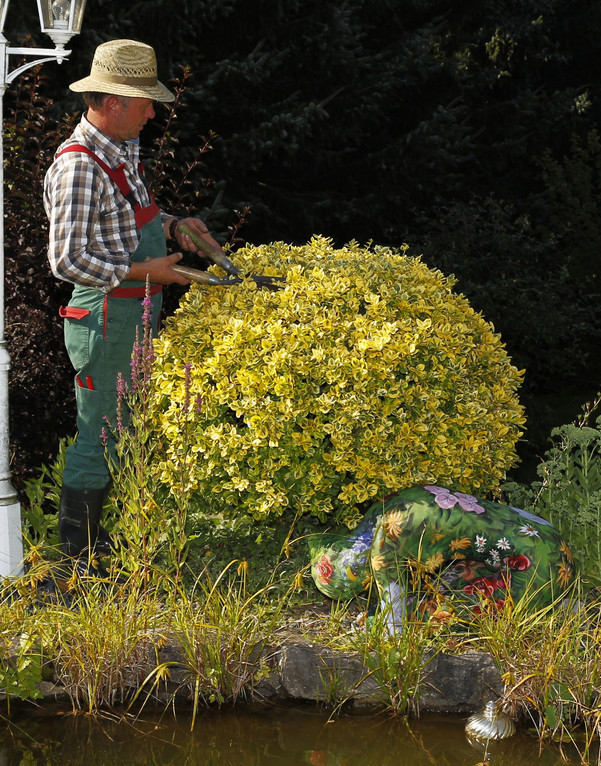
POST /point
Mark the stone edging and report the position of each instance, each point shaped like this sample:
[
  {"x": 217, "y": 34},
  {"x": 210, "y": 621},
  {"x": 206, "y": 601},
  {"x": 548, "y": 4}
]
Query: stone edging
[{"x": 306, "y": 671}]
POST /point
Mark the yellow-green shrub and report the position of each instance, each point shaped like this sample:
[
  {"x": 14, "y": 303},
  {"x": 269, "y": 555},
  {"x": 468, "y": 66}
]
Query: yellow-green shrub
[{"x": 364, "y": 375}]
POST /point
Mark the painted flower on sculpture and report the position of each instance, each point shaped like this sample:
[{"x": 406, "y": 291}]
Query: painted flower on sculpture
[
  {"x": 363, "y": 541},
  {"x": 467, "y": 569},
  {"x": 392, "y": 524},
  {"x": 460, "y": 543},
  {"x": 520, "y": 563},
  {"x": 378, "y": 562},
  {"x": 503, "y": 543},
  {"x": 446, "y": 499},
  {"x": 481, "y": 543},
  {"x": 484, "y": 586},
  {"x": 351, "y": 564},
  {"x": 351, "y": 557},
  {"x": 443, "y": 497},
  {"x": 565, "y": 574},
  {"x": 324, "y": 570},
  {"x": 566, "y": 551},
  {"x": 469, "y": 503},
  {"x": 502, "y": 582},
  {"x": 363, "y": 536},
  {"x": 529, "y": 530},
  {"x": 434, "y": 562},
  {"x": 431, "y": 609}
]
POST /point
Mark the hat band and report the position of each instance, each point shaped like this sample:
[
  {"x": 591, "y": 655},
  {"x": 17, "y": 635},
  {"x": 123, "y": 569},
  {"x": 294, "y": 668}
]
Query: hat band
[{"x": 123, "y": 80}]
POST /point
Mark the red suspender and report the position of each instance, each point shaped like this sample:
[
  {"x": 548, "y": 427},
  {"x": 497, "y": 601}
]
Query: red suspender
[{"x": 143, "y": 214}]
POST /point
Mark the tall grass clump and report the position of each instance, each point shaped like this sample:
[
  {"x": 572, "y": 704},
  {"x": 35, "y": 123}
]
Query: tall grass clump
[
  {"x": 395, "y": 659},
  {"x": 103, "y": 641},
  {"x": 550, "y": 664},
  {"x": 223, "y": 632},
  {"x": 21, "y": 655},
  {"x": 397, "y": 662}
]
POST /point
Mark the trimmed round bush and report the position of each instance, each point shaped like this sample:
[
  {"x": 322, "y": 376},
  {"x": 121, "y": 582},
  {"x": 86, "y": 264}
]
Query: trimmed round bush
[{"x": 366, "y": 374}]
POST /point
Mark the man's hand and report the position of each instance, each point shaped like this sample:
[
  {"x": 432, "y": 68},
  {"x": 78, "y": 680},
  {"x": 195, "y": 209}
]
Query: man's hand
[
  {"x": 159, "y": 270},
  {"x": 199, "y": 228}
]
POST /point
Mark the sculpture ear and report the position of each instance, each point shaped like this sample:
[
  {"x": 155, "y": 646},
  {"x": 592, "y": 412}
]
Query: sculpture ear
[
  {"x": 338, "y": 570},
  {"x": 335, "y": 541}
]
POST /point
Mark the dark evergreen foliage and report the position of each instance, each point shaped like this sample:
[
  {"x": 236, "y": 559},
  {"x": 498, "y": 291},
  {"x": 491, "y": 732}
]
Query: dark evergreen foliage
[
  {"x": 449, "y": 125},
  {"x": 42, "y": 404}
]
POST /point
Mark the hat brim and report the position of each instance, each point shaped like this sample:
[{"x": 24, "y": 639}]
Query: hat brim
[{"x": 91, "y": 84}]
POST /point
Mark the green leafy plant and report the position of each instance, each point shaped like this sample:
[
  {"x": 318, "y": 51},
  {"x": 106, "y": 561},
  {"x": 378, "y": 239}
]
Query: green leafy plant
[
  {"x": 21, "y": 658},
  {"x": 39, "y": 513},
  {"x": 364, "y": 375},
  {"x": 568, "y": 493}
]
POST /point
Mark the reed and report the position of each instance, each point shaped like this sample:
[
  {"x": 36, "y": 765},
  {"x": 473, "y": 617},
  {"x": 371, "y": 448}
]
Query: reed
[
  {"x": 550, "y": 663},
  {"x": 103, "y": 639},
  {"x": 223, "y": 633},
  {"x": 395, "y": 659}
]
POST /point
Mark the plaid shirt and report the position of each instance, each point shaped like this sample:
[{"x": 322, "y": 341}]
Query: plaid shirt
[{"x": 92, "y": 226}]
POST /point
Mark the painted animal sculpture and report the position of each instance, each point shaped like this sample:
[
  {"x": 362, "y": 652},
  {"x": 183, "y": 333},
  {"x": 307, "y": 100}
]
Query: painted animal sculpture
[{"x": 442, "y": 553}]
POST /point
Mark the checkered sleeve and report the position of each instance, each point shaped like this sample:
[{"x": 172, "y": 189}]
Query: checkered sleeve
[{"x": 92, "y": 233}]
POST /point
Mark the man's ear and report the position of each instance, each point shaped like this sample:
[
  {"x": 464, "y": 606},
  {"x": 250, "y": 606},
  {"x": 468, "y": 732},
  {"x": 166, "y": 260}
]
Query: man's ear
[{"x": 112, "y": 104}]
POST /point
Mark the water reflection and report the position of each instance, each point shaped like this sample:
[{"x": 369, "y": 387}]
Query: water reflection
[{"x": 254, "y": 738}]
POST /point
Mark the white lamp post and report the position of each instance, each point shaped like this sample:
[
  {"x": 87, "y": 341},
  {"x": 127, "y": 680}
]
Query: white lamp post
[{"x": 60, "y": 19}]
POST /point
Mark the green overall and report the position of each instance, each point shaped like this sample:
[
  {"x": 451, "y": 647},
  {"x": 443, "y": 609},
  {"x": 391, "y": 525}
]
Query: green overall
[{"x": 100, "y": 333}]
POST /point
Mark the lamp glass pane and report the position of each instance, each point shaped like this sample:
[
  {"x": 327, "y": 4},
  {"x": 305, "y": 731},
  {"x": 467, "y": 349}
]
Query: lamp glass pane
[
  {"x": 79, "y": 7},
  {"x": 61, "y": 14},
  {"x": 45, "y": 14},
  {"x": 3, "y": 9}
]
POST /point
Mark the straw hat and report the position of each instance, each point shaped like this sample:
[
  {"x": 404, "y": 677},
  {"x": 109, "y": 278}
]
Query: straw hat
[{"x": 124, "y": 68}]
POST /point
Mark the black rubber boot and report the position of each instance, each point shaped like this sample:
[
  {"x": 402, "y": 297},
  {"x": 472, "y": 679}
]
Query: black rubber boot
[
  {"x": 79, "y": 523},
  {"x": 104, "y": 543}
]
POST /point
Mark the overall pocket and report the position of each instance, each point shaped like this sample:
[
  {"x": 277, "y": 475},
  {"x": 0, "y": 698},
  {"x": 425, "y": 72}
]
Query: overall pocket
[{"x": 77, "y": 334}]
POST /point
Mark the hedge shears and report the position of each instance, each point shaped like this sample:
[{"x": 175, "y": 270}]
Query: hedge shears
[{"x": 235, "y": 277}]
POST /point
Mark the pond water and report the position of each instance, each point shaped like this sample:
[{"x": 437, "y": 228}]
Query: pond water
[{"x": 290, "y": 736}]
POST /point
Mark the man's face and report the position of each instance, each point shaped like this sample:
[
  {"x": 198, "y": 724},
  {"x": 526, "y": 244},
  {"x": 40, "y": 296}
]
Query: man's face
[{"x": 130, "y": 119}]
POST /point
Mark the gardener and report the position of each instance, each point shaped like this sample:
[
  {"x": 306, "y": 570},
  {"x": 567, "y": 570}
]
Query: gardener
[{"x": 107, "y": 236}]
